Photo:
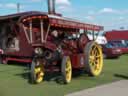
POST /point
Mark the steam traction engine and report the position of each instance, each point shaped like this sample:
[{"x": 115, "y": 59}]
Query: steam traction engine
[{"x": 50, "y": 42}]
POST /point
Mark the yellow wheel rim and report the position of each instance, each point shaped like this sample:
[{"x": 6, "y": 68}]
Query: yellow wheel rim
[
  {"x": 68, "y": 70},
  {"x": 39, "y": 72},
  {"x": 96, "y": 60}
]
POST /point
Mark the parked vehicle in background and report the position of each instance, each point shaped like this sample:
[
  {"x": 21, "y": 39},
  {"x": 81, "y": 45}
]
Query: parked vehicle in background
[
  {"x": 121, "y": 44},
  {"x": 126, "y": 42},
  {"x": 111, "y": 51},
  {"x": 118, "y": 37}
]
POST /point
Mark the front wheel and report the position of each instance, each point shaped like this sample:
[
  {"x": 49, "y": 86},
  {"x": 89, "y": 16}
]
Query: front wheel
[
  {"x": 37, "y": 71},
  {"x": 93, "y": 59},
  {"x": 66, "y": 69}
]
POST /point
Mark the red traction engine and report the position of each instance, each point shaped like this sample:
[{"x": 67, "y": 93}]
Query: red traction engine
[{"x": 49, "y": 42}]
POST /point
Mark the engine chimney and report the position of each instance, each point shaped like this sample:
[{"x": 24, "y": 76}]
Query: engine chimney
[{"x": 51, "y": 7}]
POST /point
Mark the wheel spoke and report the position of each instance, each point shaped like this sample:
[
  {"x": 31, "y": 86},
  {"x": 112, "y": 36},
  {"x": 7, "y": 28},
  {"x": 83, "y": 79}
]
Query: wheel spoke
[
  {"x": 91, "y": 58},
  {"x": 37, "y": 70},
  {"x": 68, "y": 77},
  {"x": 96, "y": 52},
  {"x": 91, "y": 62},
  {"x": 95, "y": 65},
  {"x": 68, "y": 69},
  {"x": 92, "y": 51},
  {"x": 39, "y": 79},
  {"x": 41, "y": 74},
  {"x": 98, "y": 66},
  {"x": 98, "y": 56}
]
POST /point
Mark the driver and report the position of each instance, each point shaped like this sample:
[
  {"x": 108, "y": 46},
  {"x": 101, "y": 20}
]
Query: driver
[{"x": 54, "y": 33}]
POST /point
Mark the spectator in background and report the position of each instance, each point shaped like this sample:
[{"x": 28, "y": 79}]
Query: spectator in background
[{"x": 13, "y": 43}]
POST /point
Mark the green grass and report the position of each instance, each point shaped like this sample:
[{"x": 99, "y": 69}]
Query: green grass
[{"x": 14, "y": 80}]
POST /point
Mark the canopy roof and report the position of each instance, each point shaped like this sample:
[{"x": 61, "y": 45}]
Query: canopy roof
[{"x": 54, "y": 20}]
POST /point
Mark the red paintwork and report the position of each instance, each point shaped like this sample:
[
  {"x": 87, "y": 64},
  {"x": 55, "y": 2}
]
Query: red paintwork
[
  {"x": 124, "y": 50},
  {"x": 74, "y": 24},
  {"x": 78, "y": 60},
  {"x": 18, "y": 60},
  {"x": 116, "y": 35}
]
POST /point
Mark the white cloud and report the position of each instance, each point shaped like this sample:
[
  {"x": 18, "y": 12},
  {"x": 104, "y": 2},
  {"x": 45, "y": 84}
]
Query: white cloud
[
  {"x": 64, "y": 9},
  {"x": 109, "y": 10},
  {"x": 10, "y": 5},
  {"x": 90, "y": 17},
  {"x": 64, "y": 5},
  {"x": 105, "y": 11},
  {"x": 63, "y": 2}
]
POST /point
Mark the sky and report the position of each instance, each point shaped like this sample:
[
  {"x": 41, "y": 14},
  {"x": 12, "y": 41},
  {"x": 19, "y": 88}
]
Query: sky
[{"x": 112, "y": 14}]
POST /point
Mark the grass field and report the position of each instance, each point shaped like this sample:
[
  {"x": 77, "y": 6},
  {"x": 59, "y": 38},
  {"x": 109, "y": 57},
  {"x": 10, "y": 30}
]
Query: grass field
[{"x": 14, "y": 80}]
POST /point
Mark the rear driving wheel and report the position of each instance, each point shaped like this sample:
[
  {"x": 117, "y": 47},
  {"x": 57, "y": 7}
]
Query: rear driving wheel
[
  {"x": 93, "y": 59},
  {"x": 37, "y": 71},
  {"x": 66, "y": 69}
]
